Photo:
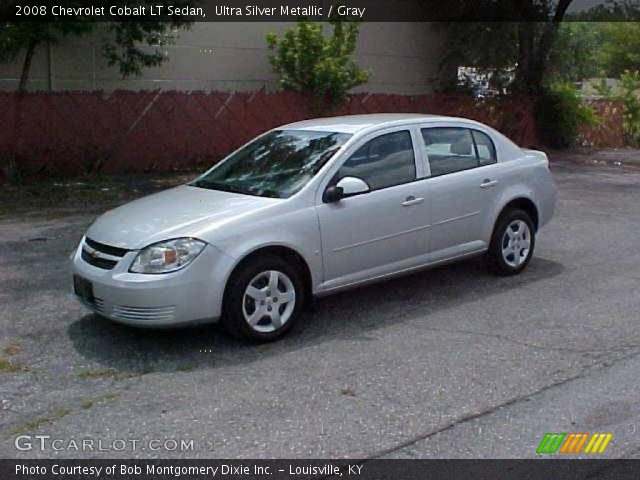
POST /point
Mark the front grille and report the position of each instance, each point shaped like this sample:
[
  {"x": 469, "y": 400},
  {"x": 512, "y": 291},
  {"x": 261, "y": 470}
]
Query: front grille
[
  {"x": 101, "y": 255},
  {"x": 103, "y": 263},
  {"x": 108, "y": 249}
]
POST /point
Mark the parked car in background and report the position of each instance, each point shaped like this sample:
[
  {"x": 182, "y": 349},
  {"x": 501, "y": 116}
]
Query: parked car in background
[{"x": 312, "y": 208}]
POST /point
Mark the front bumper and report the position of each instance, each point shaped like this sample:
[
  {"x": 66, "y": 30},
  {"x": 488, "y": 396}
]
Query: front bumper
[{"x": 191, "y": 295}]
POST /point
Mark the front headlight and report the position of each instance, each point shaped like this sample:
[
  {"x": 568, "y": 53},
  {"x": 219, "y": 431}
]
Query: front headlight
[{"x": 168, "y": 256}]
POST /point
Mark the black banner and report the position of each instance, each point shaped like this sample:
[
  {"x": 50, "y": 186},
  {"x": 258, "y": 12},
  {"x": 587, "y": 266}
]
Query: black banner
[
  {"x": 534, "y": 469},
  {"x": 319, "y": 10}
]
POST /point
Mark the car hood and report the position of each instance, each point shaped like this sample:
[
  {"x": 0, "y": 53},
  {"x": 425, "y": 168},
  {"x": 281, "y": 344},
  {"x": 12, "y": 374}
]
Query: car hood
[{"x": 183, "y": 211}]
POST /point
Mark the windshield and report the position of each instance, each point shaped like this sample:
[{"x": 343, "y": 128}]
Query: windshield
[{"x": 276, "y": 164}]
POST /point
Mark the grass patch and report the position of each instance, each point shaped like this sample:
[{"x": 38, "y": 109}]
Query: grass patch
[
  {"x": 348, "y": 391},
  {"x": 187, "y": 367},
  {"x": 110, "y": 373},
  {"x": 61, "y": 413},
  {"x": 39, "y": 422},
  {"x": 114, "y": 374},
  {"x": 90, "y": 402},
  {"x": 7, "y": 366},
  {"x": 13, "y": 348}
]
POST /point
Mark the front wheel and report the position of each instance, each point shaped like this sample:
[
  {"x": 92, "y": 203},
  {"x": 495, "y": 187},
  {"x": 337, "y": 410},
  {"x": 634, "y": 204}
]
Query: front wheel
[
  {"x": 512, "y": 243},
  {"x": 264, "y": 299}
]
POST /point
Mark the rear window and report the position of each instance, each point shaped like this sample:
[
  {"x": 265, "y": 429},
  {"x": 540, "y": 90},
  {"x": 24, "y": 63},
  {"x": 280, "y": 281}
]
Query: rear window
[
  {"x": 454, "y": 149},
  {"x": 449, "y": 150},
  {"x": 486, "y": 149}
]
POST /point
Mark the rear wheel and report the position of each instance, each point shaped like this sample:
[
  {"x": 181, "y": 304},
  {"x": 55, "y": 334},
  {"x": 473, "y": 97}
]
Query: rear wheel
[
  {"x": 512, "y": 243},
  {"x": 264, "y": 299}
]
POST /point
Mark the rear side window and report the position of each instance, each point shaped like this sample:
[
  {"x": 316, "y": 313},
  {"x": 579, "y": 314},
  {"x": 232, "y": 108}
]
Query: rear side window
[
  {"x": 449, "y": 150},
  {"x": 454, "y": 149},
  {"x": 383, "y": 162},
  {"x": 486, "y": 149}
]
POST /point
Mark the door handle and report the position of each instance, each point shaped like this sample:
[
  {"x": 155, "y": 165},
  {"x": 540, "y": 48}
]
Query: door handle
[
  {"x": 487, "y": 182},
  {"x": 411, "y": 200}
]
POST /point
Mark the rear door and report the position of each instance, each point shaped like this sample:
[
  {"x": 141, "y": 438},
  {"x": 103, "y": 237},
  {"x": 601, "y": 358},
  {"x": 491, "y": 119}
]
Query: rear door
[{"x": 462, "y": 181}]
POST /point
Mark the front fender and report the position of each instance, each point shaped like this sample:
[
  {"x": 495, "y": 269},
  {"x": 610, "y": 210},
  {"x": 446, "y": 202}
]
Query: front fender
[{"x": 297, "y": 230}]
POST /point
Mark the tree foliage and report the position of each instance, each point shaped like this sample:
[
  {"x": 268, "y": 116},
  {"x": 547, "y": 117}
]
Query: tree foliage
[
  {"x": 621, "y": 49},
  {"x": 137, "y": 45},
  {"x": 629, "y": 94},
  {"x": 576, "y": 52},
  {"x": 533, "y": 37},
  {"x": 27, "y": 36},
  {"x": 307, "y": 61},
  {"x": 521, "y": 36},
  {"x": 595, "y": 49},
  {"x": 630, "y": 83},
  {"x": 561, "y": 114},
  {"x": 129, "y": 45}
]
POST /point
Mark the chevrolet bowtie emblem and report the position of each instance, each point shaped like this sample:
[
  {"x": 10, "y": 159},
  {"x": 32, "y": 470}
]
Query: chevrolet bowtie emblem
[{"x": 95, "y": 254}]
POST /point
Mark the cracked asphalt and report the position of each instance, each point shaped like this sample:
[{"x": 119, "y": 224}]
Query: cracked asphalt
[{"x": 450, "y": 362}]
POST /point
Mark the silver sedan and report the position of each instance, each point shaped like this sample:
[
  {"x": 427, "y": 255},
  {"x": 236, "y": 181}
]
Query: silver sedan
[{"x": 311, "y": 208}]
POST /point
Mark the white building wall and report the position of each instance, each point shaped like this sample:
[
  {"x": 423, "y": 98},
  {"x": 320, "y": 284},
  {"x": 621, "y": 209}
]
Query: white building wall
[{"x": 403, "y": 57}]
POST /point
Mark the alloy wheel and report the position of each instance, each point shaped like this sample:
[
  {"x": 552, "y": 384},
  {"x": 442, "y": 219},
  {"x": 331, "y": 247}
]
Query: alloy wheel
[
  {"x": 268, "y": 301},
  {"x": 516, "y": 243}
]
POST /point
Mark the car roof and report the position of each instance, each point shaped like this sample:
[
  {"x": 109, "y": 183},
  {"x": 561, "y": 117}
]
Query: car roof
[{"x": 357, "y": 123}]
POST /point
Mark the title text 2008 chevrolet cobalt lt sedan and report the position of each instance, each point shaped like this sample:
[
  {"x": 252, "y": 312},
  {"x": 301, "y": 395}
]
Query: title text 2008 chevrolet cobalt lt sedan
[{"x": 311, "y": 208}]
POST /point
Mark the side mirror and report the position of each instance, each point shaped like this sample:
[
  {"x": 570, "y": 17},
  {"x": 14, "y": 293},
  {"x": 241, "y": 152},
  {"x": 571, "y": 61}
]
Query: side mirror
[{"x": 346, "y": 187}]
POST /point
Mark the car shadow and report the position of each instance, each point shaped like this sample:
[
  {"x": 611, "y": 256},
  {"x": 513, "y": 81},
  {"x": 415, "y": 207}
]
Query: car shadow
[{"x": 353, "y": 315}]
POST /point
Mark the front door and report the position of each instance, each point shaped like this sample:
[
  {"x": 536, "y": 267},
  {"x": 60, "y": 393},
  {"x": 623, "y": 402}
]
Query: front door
[{"x": 382, "y": 230}]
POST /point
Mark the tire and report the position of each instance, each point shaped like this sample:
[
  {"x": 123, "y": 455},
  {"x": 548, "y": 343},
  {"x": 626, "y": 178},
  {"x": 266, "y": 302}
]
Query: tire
[
  {"x": 512, "y": 243},
  {"x": 252, "y": 310}
]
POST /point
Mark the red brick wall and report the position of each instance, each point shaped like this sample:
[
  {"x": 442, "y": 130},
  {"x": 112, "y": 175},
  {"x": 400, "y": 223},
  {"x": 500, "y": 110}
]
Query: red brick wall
[{"x": 76, "y": 132}]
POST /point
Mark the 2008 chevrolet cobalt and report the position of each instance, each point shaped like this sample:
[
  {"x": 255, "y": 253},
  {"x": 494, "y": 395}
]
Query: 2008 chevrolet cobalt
[{"x": 311, "y": 208}]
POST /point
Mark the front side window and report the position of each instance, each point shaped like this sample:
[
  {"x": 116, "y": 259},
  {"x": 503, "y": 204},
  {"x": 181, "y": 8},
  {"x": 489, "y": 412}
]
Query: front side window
[
  {"x": 383, "y": 162},
  {"x": 276, "y": 164}
]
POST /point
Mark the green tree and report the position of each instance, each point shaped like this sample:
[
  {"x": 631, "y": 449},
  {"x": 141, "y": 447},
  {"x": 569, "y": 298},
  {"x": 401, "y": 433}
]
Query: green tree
[
  {"x": 27, "y": 36},
  {"x": 129, "y": 45},
  {"x": 629, "y": 95},
  {"x": 307, "y": 61},
  {"x": 523, "y": 42},
  {"x": 595, "y": 49},
  {"x": 487, "y": 46},
  {"x": 534, "y": 37},
  {"x": 621, "y": 48},
  {"x": 561, "y": 114},
  {"x": 577, "y": 52},
  {"x": 134, "y": 46}
]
